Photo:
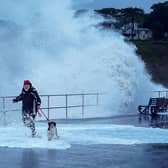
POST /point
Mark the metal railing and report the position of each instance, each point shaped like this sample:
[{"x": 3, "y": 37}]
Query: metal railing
[
  {"x": 4, "y": 107},
  {"x": 161, "y": 93}
]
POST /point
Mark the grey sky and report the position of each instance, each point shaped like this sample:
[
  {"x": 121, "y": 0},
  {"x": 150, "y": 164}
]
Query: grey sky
[{"x": 94, "y": 4}]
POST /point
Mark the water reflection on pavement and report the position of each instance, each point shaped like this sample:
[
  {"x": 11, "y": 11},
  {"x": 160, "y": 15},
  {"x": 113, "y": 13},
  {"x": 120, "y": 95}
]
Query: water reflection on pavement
[{"x": 93, "y": 156}]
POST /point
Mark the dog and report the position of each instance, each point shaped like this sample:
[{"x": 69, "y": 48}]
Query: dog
[{"x": 52, "y": 131}]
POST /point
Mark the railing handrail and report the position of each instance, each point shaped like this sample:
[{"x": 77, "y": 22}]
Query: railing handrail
[
  {"x": 160, "y": 91},
  {"x": 67, "y": 94}
]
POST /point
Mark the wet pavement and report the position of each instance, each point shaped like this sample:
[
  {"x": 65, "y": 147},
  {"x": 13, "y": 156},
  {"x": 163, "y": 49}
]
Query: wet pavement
[
  {"x": 135, "y": 120},
  {"x": 94, "y": 156}
]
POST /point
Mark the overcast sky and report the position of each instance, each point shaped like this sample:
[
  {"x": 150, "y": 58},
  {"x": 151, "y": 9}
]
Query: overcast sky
[{"x": 95, "y": 4}]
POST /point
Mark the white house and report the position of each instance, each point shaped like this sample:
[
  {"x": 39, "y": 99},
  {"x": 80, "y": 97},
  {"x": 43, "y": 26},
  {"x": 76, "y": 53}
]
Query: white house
[{"x": 132, "y": 31}]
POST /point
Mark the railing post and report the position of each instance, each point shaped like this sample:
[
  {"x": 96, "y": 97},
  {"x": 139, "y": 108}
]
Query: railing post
[
  {"x": 159, "y": 94},
  {"x": 66, "y": 105},
  {"x": 83, "y": 104},
  {"x": 3, "y": 99},
  {"x": 4, "y": 112},
  {"x": 97, "y": 99},
  {"x": 48, "y": 106}
]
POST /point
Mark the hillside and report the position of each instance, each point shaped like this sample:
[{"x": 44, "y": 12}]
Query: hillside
[{"x": 155, "y": 56}]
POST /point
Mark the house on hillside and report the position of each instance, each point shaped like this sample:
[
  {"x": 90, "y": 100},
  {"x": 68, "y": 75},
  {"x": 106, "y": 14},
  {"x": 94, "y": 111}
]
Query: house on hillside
[{"x": 134, "y": 32}]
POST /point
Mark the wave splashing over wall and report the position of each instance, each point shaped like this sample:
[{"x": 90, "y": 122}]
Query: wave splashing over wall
[{"x": 44, "y": 42}]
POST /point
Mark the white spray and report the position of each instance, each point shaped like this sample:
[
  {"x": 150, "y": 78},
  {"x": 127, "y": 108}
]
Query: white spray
[{"x": 60, "y": 53}]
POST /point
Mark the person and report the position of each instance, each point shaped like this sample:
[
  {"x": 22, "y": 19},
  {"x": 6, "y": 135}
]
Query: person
[{"x": 30, "y": 105}]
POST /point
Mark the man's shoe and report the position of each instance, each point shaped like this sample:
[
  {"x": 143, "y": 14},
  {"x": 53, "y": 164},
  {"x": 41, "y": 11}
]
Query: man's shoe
[{"x": 33, "y": 133}]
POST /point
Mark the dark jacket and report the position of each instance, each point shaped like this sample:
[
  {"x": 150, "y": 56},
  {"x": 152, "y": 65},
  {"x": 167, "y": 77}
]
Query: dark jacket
[{"x": 30, "y": 100}]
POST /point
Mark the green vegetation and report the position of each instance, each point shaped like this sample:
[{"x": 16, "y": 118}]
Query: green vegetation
[
  {"x": 155, "y": 56},
  {"x": 124, "y": 16},
  {"x": 157, "y": 21}
]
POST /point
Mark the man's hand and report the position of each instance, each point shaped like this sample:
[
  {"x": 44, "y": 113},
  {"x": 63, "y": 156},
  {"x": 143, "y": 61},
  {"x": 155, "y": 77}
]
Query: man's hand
[
  {"x": 14, "y": 101},
  {"x": 39, "y": 114},
  {"x": 38, "y": 110}
]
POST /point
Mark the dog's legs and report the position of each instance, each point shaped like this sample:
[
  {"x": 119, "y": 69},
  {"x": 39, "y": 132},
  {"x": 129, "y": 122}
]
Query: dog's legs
[{"x": 49, "y": 135}]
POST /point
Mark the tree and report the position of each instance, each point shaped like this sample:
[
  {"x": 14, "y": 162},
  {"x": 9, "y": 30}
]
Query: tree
[
  {"x": 108, "y": 11},
  {"x": 157, "y": 20},
  {"x": 130, "y": 13}
]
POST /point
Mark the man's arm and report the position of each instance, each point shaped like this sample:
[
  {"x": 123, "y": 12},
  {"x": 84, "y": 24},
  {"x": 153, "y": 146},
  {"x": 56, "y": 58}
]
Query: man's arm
[
  {"x": 36, "y": 96},
  {"x": 18, "y": 98}
]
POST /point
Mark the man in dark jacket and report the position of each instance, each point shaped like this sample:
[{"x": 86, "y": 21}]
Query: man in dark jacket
[{"x": 30, "y": 105}]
